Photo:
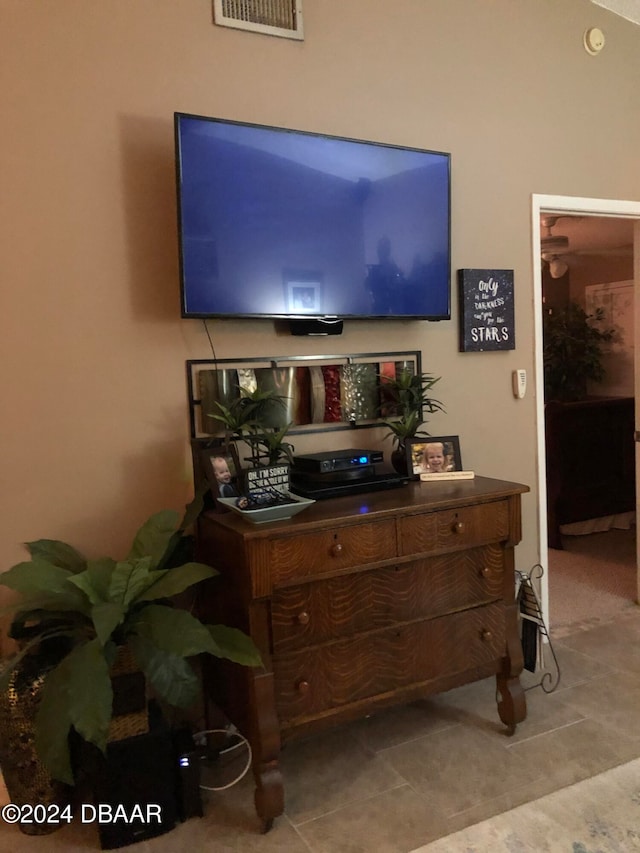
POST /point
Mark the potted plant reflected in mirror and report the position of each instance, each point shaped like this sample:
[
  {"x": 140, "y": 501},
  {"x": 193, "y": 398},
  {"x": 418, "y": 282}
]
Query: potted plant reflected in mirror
[
  {"x": 105, "y": 608},
  {"x": 405, "y": 400}
]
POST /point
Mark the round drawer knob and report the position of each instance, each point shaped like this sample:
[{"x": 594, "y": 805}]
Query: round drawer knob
[
  {"x": 485, "y": 571},
  {"x": 458, "y": 527},
  {"x": 303, "y": 687},
  {"x": 486, "y": 635},
  {"x": 336, "y": 550},
  {"x": 303, "y": 618}
]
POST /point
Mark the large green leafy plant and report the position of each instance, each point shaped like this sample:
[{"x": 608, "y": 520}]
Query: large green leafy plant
[
  {"x": 574, "y": 344},
  {"x": 101, "y": 605}
]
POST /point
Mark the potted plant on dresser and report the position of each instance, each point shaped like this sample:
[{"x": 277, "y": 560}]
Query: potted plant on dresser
[
  {"x": 108, "y": 613},
  {"x": 406, "y": 398},
  {"x": 265, "y": 482}
]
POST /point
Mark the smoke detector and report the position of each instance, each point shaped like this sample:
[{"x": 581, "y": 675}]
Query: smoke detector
[{"x": 593, "y": 41}]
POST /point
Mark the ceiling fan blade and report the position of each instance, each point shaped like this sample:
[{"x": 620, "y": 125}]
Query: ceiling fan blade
[{"x": 610, "y": 251}]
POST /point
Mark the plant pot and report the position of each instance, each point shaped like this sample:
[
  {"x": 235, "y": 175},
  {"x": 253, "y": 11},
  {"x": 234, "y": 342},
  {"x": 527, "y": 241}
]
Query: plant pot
[
  {"x": 130, "y": 716},
  {"x": 27, "y": 780},
  {"x": 399, "y": 459},
  {"x": 136, "y": 772}
]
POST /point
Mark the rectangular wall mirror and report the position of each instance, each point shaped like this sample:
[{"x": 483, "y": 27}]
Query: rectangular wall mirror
[{"x": 319, "y": 393}]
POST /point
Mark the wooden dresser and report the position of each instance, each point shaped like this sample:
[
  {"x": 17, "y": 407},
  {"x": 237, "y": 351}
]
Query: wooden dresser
[{"x": 362, "y": 602}]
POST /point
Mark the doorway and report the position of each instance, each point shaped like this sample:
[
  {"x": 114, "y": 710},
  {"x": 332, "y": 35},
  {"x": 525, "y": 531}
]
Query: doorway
[{"x": 570, "y": 206}]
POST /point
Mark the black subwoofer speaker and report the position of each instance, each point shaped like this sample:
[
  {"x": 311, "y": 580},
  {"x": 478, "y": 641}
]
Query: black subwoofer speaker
[{"x": 135, "y": 788}]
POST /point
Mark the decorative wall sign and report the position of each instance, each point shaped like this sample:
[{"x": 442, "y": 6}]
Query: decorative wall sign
[{"x": 486, "y": 310}]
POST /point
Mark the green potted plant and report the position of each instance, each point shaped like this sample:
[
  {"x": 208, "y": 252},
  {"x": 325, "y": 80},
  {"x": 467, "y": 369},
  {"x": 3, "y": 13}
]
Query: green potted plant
[
  {"x": 406, "y": 398},
  {"x": 103, "y": 606},
  {"x": 246, "y": 420},
  {"x": 573, "y": 349},
  {"x": 273, "y": 447}
]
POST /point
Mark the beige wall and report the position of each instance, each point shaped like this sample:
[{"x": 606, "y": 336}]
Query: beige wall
[
  {"x": 596, "y": 270},
  {"x": 94, "y": 417}
]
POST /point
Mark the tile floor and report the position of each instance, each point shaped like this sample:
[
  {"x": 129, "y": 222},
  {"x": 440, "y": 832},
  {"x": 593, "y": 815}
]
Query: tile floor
[{"x": 395, "y": 781}]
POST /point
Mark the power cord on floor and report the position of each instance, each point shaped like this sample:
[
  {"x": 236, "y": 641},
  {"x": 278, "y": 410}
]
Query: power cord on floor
[{"x": 210, "y": 753}]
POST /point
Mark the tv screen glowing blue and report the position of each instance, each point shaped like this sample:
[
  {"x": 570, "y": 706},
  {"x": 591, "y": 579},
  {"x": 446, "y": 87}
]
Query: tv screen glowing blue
[{"x": 287, "y": 224}]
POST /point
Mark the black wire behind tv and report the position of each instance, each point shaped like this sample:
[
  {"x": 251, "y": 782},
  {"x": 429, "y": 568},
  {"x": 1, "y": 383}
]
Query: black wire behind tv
[{"x": 293, "y": 225}]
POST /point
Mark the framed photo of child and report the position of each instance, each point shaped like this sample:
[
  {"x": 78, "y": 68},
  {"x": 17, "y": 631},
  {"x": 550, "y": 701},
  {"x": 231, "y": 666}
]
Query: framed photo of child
[
  {"x": 221, "y": 467},
  {"x": 433, "y": 454}
]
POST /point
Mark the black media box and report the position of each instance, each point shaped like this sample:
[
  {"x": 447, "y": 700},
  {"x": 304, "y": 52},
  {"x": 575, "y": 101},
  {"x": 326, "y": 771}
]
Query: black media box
[{"x": 337, "y": 460}]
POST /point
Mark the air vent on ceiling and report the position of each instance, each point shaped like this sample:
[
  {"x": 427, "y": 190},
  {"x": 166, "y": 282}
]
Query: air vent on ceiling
[{"x": 271, "y": 17}]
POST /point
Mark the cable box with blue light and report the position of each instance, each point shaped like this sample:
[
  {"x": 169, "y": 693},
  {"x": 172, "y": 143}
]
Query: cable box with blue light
[
  {"x": 341, "y": 472},
  {"x": 337, "y": 460}
]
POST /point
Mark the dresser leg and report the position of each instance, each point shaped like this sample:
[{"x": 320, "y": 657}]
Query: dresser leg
[
  {"x": 512, "y": 707},
  {"x": 269, "y": 795},
  {"x": 265, "y": 744}
]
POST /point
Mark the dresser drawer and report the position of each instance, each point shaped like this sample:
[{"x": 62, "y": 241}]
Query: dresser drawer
[
  {"x": 331, "y": 551},
  {"x": 346, "y": 605},
  {"x": 332, "y": 676},
  {"x": 456, "y": 528}
]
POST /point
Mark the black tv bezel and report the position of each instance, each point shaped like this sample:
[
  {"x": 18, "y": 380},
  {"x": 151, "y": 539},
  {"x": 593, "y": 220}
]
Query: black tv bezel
[{"x": 198, "y": 315}]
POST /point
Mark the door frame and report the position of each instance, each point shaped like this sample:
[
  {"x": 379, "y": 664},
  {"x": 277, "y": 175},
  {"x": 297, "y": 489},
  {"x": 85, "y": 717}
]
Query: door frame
[{"x": 570, "y": 205}]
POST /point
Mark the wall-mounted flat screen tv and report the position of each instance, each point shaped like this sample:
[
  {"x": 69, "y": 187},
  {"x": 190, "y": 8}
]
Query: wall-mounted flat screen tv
[{"x": 288, "y": 224}]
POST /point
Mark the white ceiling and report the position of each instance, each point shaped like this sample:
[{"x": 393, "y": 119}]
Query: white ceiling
[
  {"x": 629, "y": 9},
  {"x": 594, "y": 232}
]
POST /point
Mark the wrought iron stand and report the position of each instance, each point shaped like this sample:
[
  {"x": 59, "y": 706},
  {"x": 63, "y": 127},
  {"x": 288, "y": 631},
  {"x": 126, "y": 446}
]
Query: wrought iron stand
[{"x": 534, "y": 633}]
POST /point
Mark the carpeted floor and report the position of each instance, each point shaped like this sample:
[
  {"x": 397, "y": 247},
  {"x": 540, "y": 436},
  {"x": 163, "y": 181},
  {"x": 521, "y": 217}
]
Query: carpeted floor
[{"x": 592, "y": 580}]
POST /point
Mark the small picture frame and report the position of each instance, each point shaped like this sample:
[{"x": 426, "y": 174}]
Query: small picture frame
[
  {"x": 433, "y": 454},
  {"x": 303, "y": 292},
  {"x": 267, "y": 483},
  {"x": 221, "y": 468}
]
